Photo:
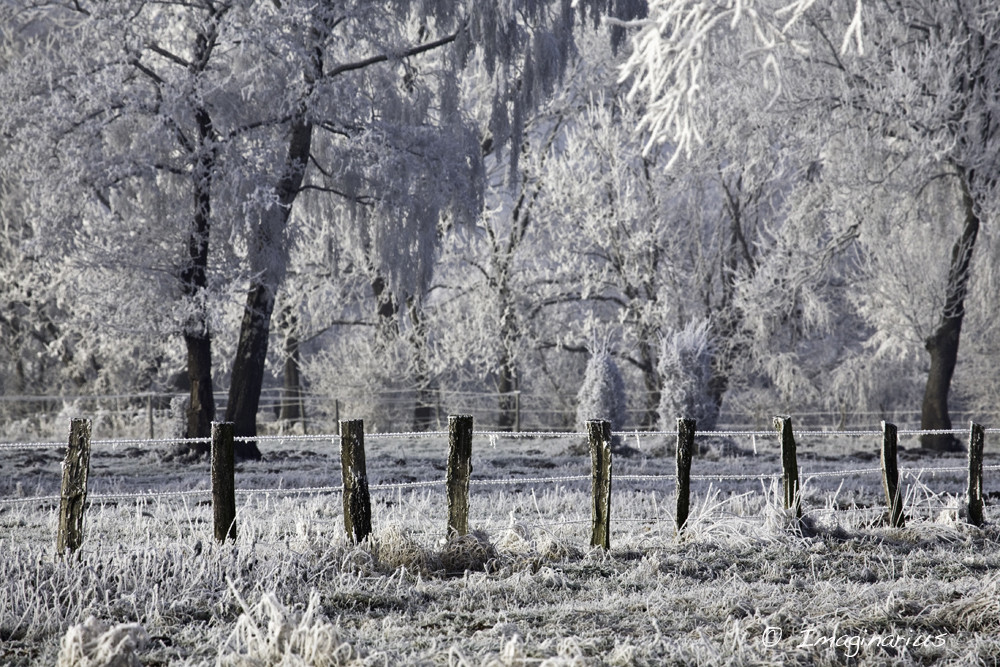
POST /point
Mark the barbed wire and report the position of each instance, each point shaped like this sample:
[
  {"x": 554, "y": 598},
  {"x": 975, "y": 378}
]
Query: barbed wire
[
  {"x": 10, "y": 446},
  {"x": 517, "y": 435},
  {"x": 528, "y": 480},
  {"x": 295, "y": 437},
  {"x": 495, "y": 435},
  {"x": 668, "y": 478},
  {"x": 29, "y": 499},
  {"x": 120, "y": 442},
  {"x": 405, "y": 434}
]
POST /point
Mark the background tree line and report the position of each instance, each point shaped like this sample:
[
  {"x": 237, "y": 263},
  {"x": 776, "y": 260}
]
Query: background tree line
[{"x": 738, "y": 204}]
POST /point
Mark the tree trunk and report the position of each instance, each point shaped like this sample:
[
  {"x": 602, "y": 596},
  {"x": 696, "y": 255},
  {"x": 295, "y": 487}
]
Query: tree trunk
[
  {"x": 248, "y": 369},
  {"x": 194, "y": 281},
  {"x": 943, "y": 343},
  {"x": 425, "y": 408},
  {"x": 505, "y": 393},
  {"x": 386, "y": 312},
  {"x": 201, "y": 408},
  {"x": 251, "y": 351},
  {"x": 651, "y": 381},
  {"x": 291, "y": 396},
  {"x": 510, "y": 332}
]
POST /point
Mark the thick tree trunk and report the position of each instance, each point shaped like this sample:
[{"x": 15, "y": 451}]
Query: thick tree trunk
[
  {"x": 248, "y": 370},
  {"x": 251, "y": 351},
  {"x": 943, "y": 343},
  {"x": 201, "y": 407},
  {"x": 194, "y": 281}
]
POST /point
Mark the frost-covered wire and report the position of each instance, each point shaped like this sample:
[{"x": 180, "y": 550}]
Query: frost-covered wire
[
  {"x": 528, "y": 480},
  {"x": 120, "y": 442},
  {"x": 839, "y": 473},
  {"x": 406, "y": 434},
  {"x": 516, "y": 435},
  {"x": 405, "y": 485},
  {"x": 10, "y": 446},
  {"x": 272, "y": 438},
  {"x": 492, "y": 435},
  {"x": 29, "y": 499}
]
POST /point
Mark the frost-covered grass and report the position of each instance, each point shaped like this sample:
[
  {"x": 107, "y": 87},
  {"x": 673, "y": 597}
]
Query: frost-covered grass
[{"x": 741, "y": 587}]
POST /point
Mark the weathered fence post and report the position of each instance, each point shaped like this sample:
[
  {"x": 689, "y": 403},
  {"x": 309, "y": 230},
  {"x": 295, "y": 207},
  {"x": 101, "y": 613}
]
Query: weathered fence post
[
  {"x": 459, "y": 470},
  {"x": 789, "y": 465},
  {"x": 73, "y": 495},
  {"x": 599, "y": 434},
  {"x": 224, "y": 480},
  {"x": 357, "y": 502},
  {"x": 977, "y": 438},
  {"x": 890, "y": 475},
  {"x": 685, "y": 445}
]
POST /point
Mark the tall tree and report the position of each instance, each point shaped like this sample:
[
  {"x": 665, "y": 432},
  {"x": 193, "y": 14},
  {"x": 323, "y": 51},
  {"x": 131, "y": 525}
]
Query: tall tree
[{"x": 195, "y": 123}]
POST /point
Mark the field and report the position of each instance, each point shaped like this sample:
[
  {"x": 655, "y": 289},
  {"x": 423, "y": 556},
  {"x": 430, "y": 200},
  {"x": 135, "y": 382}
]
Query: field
[{"x": 743, "y": 587}]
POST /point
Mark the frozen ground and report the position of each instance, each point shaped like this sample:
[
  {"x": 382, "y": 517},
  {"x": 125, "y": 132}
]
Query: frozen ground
[{"x": 741, "y": 588}]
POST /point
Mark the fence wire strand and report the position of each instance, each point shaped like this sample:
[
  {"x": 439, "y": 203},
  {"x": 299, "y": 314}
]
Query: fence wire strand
[{"x": 492, "y": 435}]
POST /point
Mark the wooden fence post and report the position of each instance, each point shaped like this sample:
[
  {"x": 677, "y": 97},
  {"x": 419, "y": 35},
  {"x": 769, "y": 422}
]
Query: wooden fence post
[
  {"x": 977, "y": 438},
  {"x": 224, "y": 480},
  {"x": 599, "y": 434},
  {"x": 890, "y": 475},
  {"x": 685, "y": 445},
  {"x": 789, "y": 465},
  {"x": 357, "y": 502},
  {"x": 73, "y": 496},
  {"x": 459, "y": 470}
]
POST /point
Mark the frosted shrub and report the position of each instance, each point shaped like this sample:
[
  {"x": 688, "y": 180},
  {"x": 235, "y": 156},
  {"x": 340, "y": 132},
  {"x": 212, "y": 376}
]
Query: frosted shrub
[
  {"x": 602, "y": 395},
  {"x": 685, "y": 371},
  {"x": 395, "y": 549}
]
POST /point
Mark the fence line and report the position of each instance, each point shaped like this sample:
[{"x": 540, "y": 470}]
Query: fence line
[
  {"x": 357, "y": 513},
  {"x": 97, "y": 498}
]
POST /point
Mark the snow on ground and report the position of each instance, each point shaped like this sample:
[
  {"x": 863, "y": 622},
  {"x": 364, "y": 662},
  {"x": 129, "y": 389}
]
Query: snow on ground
[{"x": 525, "y": 588}]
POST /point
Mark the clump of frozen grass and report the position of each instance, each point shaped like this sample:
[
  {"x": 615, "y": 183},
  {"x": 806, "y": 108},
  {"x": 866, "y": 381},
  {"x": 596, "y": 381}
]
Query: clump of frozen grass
[
  {"x": 977, "y": 612},
  {"x": 269, "y": 634},
  {"x": 725, "y": 519},
  {"x": 778, "y": 519},
  {"x": 93, "y": 644},
  {"x": 470, "y": 552},
  {"x": 518, "y": 548},
  {"x": 395, "y": 549},
  {"x": 360, "y": 560}
]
